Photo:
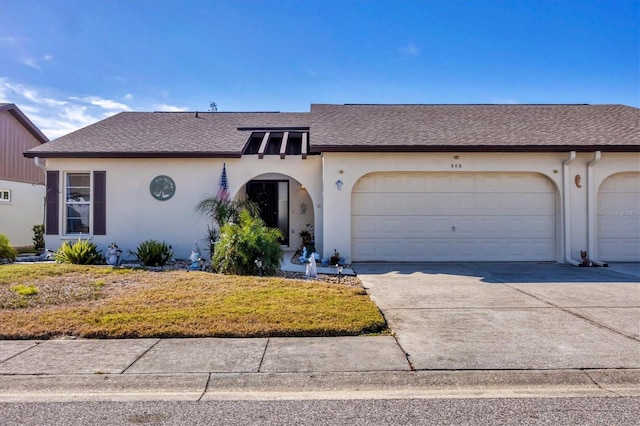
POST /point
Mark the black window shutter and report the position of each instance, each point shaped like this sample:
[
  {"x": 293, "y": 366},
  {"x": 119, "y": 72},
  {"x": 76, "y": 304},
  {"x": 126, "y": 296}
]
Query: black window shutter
[
  {"x": 52, "y": 199},
  {"x": 99, "y": 203}
]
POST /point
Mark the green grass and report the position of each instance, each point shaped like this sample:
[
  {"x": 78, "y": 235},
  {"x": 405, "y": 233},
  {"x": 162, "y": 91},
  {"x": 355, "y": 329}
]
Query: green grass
[
  {"x": 25, "y": 290},
  {"x": 94, "y": 301}
]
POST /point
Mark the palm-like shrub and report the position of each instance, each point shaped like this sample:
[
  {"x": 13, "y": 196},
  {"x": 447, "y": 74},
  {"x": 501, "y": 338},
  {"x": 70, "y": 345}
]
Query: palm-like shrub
[
  {"x": 81, "y": 252},
  {"x": 242, "y": 243},
  {"x": 6, "y": 250},
  {"x": 221, "y": 212},
  {"x": 153, "y": 253}
]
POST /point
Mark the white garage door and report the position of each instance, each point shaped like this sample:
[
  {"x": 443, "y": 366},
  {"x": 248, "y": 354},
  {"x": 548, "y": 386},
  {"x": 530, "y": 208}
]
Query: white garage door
[
  {"x": 453, "y": 217},
  {"x": 619, "y": 218}
]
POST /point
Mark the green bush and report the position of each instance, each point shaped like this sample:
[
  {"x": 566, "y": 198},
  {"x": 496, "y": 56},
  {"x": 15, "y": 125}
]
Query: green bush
[
  {"x": 153, "y": 253},
  {"x": 6, "y": 250},
  {"x": 81, "y": 252},
  {"x": 241, "y": 244}
]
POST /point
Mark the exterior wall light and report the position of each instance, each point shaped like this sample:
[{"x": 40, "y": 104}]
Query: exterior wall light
[{"x": 339, "y": 185}]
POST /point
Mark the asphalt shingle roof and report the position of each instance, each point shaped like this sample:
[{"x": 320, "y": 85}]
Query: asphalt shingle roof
[
  {"x": 434, "y": 127},
  {"x": 360, "y": 128},
  {"x": 166, "y": 134}
]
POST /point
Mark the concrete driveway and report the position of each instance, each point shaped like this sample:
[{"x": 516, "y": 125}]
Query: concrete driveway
[{"x": 485, "y": 316}]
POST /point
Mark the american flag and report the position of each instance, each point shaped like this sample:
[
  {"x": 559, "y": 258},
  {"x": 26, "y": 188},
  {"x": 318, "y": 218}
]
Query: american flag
[{"x": 223, "y": 185}]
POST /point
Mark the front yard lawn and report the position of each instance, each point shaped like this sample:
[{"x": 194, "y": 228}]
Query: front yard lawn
[{"x": 41, "y": 301}]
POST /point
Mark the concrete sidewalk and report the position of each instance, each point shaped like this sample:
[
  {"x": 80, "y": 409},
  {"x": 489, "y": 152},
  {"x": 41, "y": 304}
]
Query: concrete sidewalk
[{"x": 480, "y": 330}]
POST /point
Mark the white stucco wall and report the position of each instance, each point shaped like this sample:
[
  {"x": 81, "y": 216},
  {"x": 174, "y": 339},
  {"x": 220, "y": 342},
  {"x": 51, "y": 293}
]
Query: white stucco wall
[
  {"x": 572, "y": 226},
  {"x": 25, "y": 209},
  {"x": 133, "y": 215}
]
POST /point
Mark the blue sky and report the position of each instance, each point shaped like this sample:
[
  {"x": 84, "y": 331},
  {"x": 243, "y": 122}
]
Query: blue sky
[{"x": 69, "y": 63}]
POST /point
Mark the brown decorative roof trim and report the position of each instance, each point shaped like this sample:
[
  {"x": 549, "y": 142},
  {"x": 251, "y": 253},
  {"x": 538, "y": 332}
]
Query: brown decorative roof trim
[
  {"x": 476, "y": 148},
  {"x": 133, "y": 154},
  {"x": 275, "y": 129}
]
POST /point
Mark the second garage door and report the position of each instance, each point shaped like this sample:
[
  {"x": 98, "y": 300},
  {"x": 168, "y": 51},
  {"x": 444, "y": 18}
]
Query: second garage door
[
  {"x": 453, "y": 217},
  {"x": 619, "y": 218}
]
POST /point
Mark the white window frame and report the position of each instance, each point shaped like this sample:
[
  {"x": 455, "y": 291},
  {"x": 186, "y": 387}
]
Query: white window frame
[
  {"x": 77, "y": 203},
  {"x": 5, "y": 195}
]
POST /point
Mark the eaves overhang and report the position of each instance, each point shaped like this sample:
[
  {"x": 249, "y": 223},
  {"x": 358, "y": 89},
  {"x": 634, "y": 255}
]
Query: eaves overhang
[
  {"x": 233, "y": 154},
  {"x": 476, "y": 148}
]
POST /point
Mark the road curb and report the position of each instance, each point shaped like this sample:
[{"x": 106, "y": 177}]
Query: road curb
[{"x": 292, "y": 386}]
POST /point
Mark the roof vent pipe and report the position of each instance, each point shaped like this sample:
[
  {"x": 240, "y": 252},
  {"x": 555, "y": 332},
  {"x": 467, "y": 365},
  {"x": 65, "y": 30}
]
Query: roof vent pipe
[
  {"x": 196, "y": 114},
  {"x": 566, "y": 207}
]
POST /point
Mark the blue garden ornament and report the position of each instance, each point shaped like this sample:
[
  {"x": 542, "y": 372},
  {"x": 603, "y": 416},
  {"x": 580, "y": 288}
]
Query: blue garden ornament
[{"x": 195, "y": 258}]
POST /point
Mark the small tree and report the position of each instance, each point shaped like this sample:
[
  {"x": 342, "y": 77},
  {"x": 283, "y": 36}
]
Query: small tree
[
  {"x": 242, "y": 243},
  {"x": 38, "y": 238}
]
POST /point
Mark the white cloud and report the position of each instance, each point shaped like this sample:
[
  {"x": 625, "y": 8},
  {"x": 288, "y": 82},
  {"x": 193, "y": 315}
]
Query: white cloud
[
  {"x": 30, "y": 62},
  {"x": 410, "y": 50},
  {"x": 104, "y": 103},
  {"x": 169, "y": 108},
  {"x": 48, "y": 57},
  {"x": 128, "y": 97},
  {"x": 29, "y": 93},
  {"x": 56, "y": 116}
]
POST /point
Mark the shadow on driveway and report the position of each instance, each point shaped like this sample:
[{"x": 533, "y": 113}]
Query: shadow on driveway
[{"x": 511, "y": 272}]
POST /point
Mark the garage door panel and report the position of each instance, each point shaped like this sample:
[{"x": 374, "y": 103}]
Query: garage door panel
[
  {"x": 618, "y": 218},
  {"x": 453, "y": 216},
  {"x": 620, "y": 204},
  {"x": 463, "y": 183},
  {"x": 364, "y": 249},
  {"x": 619, "y": 250},
  {"x": 620, "y": 228}
]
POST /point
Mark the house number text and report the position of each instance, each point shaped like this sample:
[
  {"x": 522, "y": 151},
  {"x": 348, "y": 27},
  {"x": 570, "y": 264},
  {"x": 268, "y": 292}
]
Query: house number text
[{"x": 456, "y": 165}]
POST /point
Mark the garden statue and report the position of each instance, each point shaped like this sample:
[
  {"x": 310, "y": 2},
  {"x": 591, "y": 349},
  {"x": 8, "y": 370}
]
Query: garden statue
[
  {"x": 114, "y": 255},
  {"x": 312, "y": 271},
  {"x": 303, "y": 258},
  {"x": 195, "y": 258}
]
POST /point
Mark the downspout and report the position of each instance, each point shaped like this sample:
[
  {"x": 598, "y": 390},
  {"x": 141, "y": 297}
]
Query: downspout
[
  {"x": 566, "y": 207},
  {"x": 591, "y": 209},
  {"x": 39, "y": 163}
]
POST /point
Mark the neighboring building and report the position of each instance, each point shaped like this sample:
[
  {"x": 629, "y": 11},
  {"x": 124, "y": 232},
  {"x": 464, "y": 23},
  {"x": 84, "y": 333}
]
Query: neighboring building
[
  {"x": 377, "y": 182},
  {"x": 22, "y": 187}
]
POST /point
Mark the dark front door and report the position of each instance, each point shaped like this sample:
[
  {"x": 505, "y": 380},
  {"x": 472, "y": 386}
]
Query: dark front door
[{"x": 272, "y": 197}]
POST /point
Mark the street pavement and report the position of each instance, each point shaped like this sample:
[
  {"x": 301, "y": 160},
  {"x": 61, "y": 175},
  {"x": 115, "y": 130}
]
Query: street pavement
[{"x": 458, "y": 330}]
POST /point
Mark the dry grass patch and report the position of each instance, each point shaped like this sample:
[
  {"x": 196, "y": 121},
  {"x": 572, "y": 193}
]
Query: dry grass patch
[{"x": 93, "y": 301}]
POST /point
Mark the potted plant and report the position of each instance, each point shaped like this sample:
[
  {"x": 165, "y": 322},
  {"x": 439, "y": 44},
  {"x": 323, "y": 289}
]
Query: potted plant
[{"x": 335, "y": 258}]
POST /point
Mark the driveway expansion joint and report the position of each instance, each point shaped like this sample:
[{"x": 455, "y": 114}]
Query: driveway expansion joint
[{"x": 577, "y": 315}]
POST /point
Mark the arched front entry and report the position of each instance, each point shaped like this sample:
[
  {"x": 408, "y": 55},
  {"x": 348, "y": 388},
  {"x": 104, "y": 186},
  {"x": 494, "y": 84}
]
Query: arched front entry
[
  {"x": 619, "y": 218},
  {"x": 461, "y": 216},
  {"x": 284, "y": 203}
]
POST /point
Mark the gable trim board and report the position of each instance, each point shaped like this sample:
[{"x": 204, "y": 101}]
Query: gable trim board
[{"x": 509, "y": 192}]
